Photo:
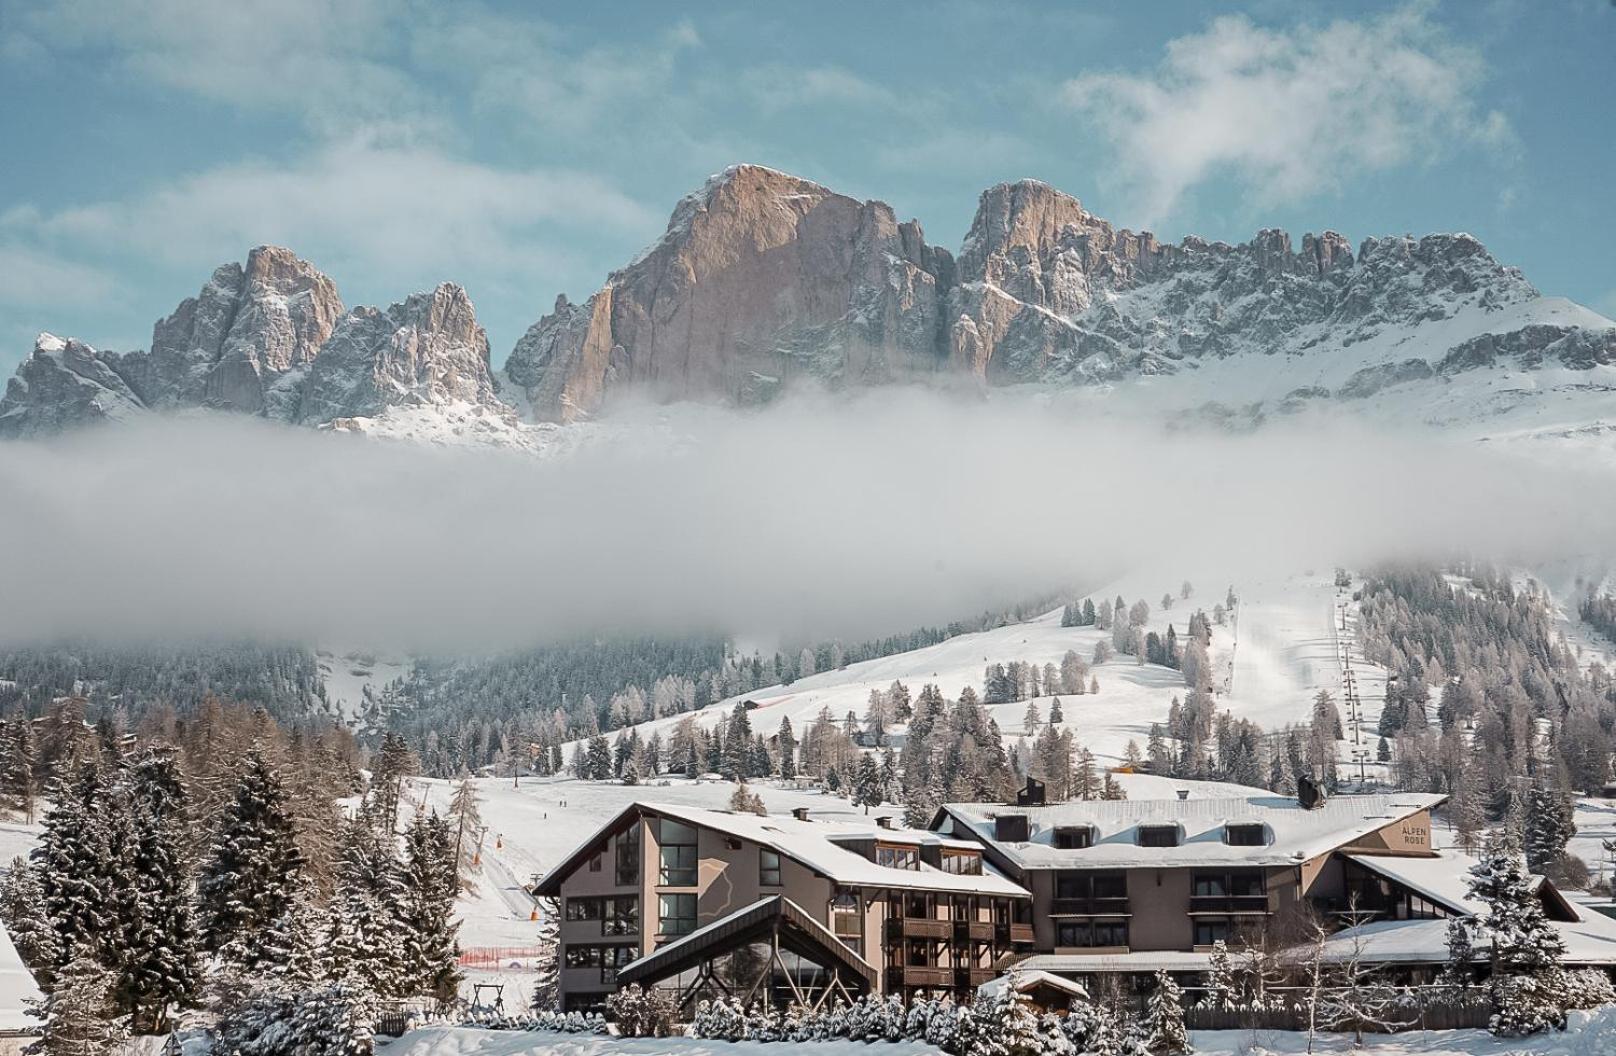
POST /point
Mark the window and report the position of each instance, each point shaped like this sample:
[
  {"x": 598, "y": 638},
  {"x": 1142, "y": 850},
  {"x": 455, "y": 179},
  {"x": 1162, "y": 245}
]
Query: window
[
  {"x": 582, "y": 909},
  {"x": 1245, "y": 835},
  {"x": 1085, "y": 933},
  {"x": 1209, "y": 887},
  {"x": 607, "y": 958},
  {"x": 896, "y": 857},
  {"x": 962, "y": 863},
  {"x": 768, "y": 867},
  {"x": 1073, "y": 837},
  {"x": 678, "y": 844},
  {"x": 1246, "y": 885},
  {"x": 678, "y": 914},
  {"x": 1157, "y": 836},
  {"x": 1091, "y": 885},
  {"x": 620, "y": 915},
  {"x": 847, "y": 919},
  {"x": 628, "y": 856},
  {"x": 594, "y": 862},
  {"x": 1110, "y": 885},
  {"x": 1208, "y": 932}
]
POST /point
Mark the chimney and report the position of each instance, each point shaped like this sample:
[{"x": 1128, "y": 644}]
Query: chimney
[
  {"x": 884, "y": 821},
  {"x": 800, "y": 813},
  {"x": 1183, "y": 793}
]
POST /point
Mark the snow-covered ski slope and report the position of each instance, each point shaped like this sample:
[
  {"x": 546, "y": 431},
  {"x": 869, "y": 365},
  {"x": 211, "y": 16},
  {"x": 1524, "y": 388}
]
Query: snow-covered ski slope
[{"x": 1276, "y": 651}]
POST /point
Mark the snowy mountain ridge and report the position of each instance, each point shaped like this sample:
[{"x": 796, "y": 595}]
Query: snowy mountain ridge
[{"x": 763, "y": 280}]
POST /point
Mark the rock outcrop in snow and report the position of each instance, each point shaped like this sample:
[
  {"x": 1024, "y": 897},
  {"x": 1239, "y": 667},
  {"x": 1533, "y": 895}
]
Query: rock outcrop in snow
[
  {"x": 64, "y": 385},
  {"x": 761, "y": 277},
  {"x": 233, "y": 345},
  {"x": 427, "y": 351}
]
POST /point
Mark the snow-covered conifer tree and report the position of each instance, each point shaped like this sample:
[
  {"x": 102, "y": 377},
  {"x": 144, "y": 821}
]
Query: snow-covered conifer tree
[
  {"x": 1164, "y": 1019},
  {"x": 80, "y": 1016},
  {"x": 1219, "y": 982},
  {"x": 22, "y": 908},
  {"x": 253, "y": 867},
  {"x": 430, "y": 951}
]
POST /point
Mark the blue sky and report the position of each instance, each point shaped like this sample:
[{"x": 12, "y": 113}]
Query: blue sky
[{"x": 525, "y": 150}]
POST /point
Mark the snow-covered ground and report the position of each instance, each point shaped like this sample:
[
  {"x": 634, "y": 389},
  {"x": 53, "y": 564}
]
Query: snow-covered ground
[
  {"x": 352, "y": 677},
  {"x": 1277, "y": 651},
  {"x": 1588, "y": 1034}
]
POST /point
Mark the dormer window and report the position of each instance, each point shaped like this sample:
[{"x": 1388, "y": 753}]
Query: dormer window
[
  {"x": 1073, "y": 837},
  {"x": 895, "y": 857},
  {"x": 962, "y": 863},
  {"x": 1157, "y": 835},
  {"x": 1245, "y": 835}
]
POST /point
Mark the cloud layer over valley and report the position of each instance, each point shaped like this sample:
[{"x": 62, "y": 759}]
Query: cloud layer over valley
[{"x": 846, "y": 516}]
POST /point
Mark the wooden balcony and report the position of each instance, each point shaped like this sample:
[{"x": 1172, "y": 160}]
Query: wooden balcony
[
  {"x": 1013, "y": 933},
  {"x": 919, "y": 928},
  {"x": 973, "y": 931},
  {"x": 973, "y": 977},
  {"x": 1090, "y": 907},
  {"x": 920, "y": 976},
  {"x": 1225, "y": 904}
]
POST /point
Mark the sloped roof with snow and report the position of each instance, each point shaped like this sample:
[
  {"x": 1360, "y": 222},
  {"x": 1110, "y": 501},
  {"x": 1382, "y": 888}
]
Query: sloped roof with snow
[
  {"x": 1294, "y": 833},
  {"x": 1590, "y": 940},
  {"x": 817, "y": 845},
  {"x": 1441, "y": 879}
]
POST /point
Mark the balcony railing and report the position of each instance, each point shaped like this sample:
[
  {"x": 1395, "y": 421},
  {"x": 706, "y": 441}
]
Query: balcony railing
[
  {"x": 1013, "y": 933},
  {"x": 920, "y": 976},
  {"x": 919, "y": 928},
  {"x": 1091, "y": 907},
  {"x": 973, "y": 930},
  {"x": 973, "y": 977},
  {"x": 1229, "y": 904}
]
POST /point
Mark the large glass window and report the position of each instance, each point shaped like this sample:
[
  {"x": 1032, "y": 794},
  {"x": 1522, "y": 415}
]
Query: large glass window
[
  {"x": 1084, "y": 933},
  {"x": 897, "y": 857},
  {"x": 768, "y": 868},
  {"x": 628, "y": 856},
  {"x": 1209, "y": 931},
  {"x": 677, "y": 913},
  {"x": 1209, "y": 886},
  {"x": 582, "y": 909},
  {"x": 678, "y": 845},
  {"x": 962, "y": 863},
  {"x": 621, "y": 915}
]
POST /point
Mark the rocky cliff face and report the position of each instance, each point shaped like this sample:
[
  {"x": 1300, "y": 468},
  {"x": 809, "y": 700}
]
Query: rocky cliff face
[
  {"x": 270, "y": 339},
  {"x": 425, "y": 351},
  {"x": 761, "y": 278},
  {"x": 64, "y": 385},
  {"x": 232, "y": 345}
]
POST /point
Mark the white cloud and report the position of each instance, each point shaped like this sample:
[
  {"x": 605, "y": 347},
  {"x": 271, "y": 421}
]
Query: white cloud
[
  {"x": 1289, "y": 112},
  {"x": 393, "y": 212},
  {"x": 36, "y": 279},
  {"x": 848, "y": 514},
  {"x": 331, "y": 63}
]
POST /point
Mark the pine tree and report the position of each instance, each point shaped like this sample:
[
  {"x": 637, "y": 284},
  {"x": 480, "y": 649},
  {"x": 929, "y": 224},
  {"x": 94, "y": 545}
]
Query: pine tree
[
  {"x": 1219, "y": 981},
  {"x": 366, "y": 945},
  {"x": 19, "y": 765},
  {"x": 161, "y": 968},
  {"x": 294, "y": 948},
  {"x": 1164, "y": 1019},
  {"x": 1523, "y": 948},
  {"x": 254, "y": 865},
  {"x": 1549, "y": 827},
  {"x": 467, "y": 821},
  {"x": 430, "y": 950},
  {"x": 22, "y": 909},
  {"x": 80, "y": 1017},
  {"x": 546, "y": 964},
  {"x": 74, "y": 863},
  {"x": 788, "y": 751},
  {"x": 868, "y": 790}
]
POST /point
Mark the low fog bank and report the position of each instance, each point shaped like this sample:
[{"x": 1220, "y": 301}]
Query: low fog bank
[{"x": 821, "y": 517}]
